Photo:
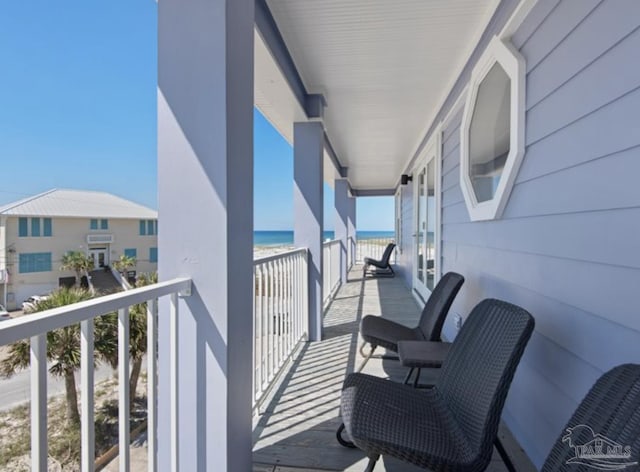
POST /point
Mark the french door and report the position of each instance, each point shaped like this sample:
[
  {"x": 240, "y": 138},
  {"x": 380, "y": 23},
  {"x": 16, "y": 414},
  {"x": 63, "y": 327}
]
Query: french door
[{"x": 426, "y": 220}]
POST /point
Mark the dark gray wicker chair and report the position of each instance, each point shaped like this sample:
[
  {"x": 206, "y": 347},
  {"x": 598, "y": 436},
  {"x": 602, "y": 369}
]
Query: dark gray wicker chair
[
  {"x": 378, "y": 331},
  {"x": 453, "y": 425},
  {"x": 383, "y": 266},
  {"x": 611, "y": 410}
]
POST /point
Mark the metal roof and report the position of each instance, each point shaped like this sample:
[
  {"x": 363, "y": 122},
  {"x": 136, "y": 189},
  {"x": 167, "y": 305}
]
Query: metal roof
[{"x": 78, "y": 204}]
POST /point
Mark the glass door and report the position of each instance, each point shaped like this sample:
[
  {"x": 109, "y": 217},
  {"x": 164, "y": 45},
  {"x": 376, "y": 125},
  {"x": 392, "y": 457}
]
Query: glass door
[{"x": 425, "y": 227}]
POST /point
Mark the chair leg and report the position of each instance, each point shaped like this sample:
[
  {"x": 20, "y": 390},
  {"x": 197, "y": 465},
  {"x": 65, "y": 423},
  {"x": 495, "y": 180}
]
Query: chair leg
[
  {"x": 408, "y": 377},
  {"x": 371, "y": 464},
  {"x": 503, "y": 454},
  {"x": 415, "y": 382},
  {"x": 343, "y": 442},
  {"x": 366, "y": 358}
]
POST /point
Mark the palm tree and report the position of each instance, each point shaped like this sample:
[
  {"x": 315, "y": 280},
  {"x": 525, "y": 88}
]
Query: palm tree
[
  {"x": 137, "y": 336},
  {"x": 124, "y": 263},
  {"x": 78, "y": 262},
  {"x": 63, "y": 347},
  {"x": 138, "y": 333}
]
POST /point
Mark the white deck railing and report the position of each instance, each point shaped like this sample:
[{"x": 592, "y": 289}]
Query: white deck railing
[
  {"x": 35, "y": 328},
  {"x": 330, "y": 269},
  {"x": 373, "y": 248},
  {"x": 280, "y": 315}
]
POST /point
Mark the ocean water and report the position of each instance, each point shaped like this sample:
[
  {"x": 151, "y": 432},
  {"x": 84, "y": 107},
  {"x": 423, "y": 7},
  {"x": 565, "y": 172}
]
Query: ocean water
[{"x": 285, "y": 238}]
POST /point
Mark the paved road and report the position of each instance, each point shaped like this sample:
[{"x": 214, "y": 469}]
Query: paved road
[{"x": 15, "y": 390}]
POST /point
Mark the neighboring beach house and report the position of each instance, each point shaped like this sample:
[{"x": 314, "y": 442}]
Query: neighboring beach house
[{"x": 36, "y": 232}]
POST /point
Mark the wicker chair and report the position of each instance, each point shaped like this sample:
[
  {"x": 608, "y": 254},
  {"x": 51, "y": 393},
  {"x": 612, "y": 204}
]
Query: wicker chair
[
  {"x": 610, "y": 410},
  {"x": 378, "y": 331},
  {"x": 453, "y": 425},
  {"x": 383, "y": 264}
]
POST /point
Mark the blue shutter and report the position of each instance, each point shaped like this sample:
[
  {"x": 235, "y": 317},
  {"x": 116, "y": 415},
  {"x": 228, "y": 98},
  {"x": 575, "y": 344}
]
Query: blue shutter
[
  {"x": 34, "y": 262},
  {"x": 131, "y": 252},
  {"x": 150, "y": 229},
  {"x": 93, "y": 224},
  {"x": 104, "y": 224},
  {"x": 35, "y": 227},
  {"x": 153, "y": 254},
  {"x": 143, "y": 227},
  {"x": 47, "y": 230},
  {"x": 23, "y": 227}
]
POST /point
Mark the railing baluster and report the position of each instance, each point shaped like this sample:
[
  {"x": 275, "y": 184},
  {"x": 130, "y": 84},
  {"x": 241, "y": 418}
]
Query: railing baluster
[
  {"x": 87, "y": 401},
  {"x": 257, "y": 319},
  {"x": 263, "y": 330},
  {"x": 173, "y": 380},
  {"x": 152, "y": 369},
  {"x": 272, "y": 324},
  {"x": 39, "y": 450},
  {"x": 123, "y": 388}
]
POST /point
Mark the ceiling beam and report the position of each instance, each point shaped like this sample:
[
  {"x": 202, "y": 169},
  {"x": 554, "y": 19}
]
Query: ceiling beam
[{"x": 378, "y": 192}]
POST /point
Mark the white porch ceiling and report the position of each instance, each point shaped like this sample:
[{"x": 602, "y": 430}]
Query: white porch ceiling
[{"x": 384, "y": 67}]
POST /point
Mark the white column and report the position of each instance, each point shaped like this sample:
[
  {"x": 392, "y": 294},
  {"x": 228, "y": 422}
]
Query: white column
[
  {"x": 308, "y": 148},
  {"x": 351, "y": 230},
  {"x": 341, "y": 224},
  {"x": 205, "y": 188}
]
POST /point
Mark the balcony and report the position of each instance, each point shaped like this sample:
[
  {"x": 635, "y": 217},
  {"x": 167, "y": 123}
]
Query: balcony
[
  {"x": 296, "y": 428},
  {"x": 296, "y": 385}
]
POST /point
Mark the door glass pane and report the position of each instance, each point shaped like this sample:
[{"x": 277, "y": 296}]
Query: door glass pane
[
  {"x": 421, "y": 227},
  {"x": 431, "y": 223}
]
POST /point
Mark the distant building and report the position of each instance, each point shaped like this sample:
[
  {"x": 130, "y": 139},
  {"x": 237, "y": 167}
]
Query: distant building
[{"x": 36, "y": 232}]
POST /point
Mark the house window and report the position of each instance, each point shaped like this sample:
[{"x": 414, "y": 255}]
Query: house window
[
  {"x": 34, "y": 262},
  {"x": 23, "y": 227},
  {"x": 39, "y": 227},
  {"x": 153, "y": 254},
  {"x": 104, "y": 224},
  {"x": 93, "y": 224},
  {"x": 148, "y": 227},
  {"x": 131, "y": 252},
  {"x": 492, "y": 131},
  {"x": 47, "y": 227},
  {"x": 35, "y": 227}
]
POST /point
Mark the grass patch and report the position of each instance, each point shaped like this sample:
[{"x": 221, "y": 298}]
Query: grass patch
[{"x": 64, "y": 440}]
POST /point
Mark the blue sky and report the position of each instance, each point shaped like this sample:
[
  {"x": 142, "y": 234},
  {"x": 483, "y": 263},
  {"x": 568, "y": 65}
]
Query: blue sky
[{"x": 78, "y": 110}]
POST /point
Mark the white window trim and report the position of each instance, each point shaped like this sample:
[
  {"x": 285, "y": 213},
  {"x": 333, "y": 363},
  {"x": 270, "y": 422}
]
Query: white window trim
[{"x": 501, "y": 52}]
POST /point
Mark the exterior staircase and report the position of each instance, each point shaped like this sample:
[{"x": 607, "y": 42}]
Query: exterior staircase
[{"x": 104, "y": 282}]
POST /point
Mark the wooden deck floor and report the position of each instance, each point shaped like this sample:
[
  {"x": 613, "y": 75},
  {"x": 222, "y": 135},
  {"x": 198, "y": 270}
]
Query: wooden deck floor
[{"x": 296, "y": 430}]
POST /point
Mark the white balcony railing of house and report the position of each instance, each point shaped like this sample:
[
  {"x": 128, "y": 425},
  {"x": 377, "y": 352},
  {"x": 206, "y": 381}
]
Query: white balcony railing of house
[
  {"x": 280, "y": 315},
  {"x": 373, "y": 248},
  {"x": 330, "y": 269},
  {"x": 36, "y": 326}
]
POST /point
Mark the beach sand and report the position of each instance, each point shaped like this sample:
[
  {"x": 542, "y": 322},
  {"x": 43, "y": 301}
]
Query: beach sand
[{"x": 265, "y": 251}]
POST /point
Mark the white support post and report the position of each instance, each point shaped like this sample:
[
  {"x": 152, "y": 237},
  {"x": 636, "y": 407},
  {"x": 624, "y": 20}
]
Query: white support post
[
  {"x": 351, "y": 230},
  {"x": 86, "y": 392},
  {"x": 308, "y": 151},
  {"x": 341, "y": 224},
  {"x": 205, "y": 199},
  {"x": 39, "y": 450},
  {"x": 123, "y": 389}
]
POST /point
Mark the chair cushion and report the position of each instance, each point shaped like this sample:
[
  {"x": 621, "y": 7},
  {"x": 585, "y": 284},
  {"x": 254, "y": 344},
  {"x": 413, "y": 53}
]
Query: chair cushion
[
  {"x": 384, "y": 417},
  {"x": 380, "y": 331}
]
